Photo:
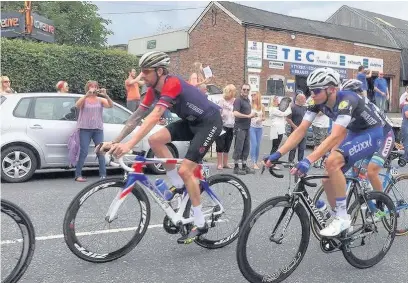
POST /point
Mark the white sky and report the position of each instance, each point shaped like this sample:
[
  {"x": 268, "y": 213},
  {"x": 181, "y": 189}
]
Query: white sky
[{"x": 127, "y": 26}]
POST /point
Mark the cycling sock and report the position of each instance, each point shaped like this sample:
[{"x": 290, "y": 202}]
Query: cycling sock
[
  {"x": 332, "y": 212},
  {"x": 341, "y": 205},
  {"x": 199, "y": 220},
  {"x": 175, "y": 178}
]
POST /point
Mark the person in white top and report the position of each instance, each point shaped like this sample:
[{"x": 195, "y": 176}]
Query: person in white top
[
  {"x": 403, "y": 97},
  {"x": 224, "y": 141},
  {"x": 256, "y": 129},
  {"x": 277, "y": 123}
]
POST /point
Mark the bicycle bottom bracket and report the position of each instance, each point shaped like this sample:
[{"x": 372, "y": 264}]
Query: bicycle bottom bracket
[
  {"x": 329, "y": 245},
  {"x": 169, "y": 227}
]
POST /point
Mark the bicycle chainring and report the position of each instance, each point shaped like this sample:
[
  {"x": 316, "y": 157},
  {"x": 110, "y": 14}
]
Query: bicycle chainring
[
  {"x": 169, "y": 227},
  {"x": 329, "y": 245}
]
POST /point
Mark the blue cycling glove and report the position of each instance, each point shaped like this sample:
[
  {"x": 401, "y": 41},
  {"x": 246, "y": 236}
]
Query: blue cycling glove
[
  {"x": 303, "y": 166},
  {"x": 274, "y": 156}
]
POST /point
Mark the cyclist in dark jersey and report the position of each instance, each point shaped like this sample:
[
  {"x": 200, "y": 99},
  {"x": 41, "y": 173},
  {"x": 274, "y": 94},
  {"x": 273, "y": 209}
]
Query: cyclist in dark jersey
[
  {"x": 358, "y": 132},
  {"x": 200, "y": 123}
]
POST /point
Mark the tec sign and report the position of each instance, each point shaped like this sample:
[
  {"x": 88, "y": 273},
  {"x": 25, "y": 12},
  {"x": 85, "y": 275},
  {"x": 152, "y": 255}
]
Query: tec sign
[{"x": 321, "y": 58}]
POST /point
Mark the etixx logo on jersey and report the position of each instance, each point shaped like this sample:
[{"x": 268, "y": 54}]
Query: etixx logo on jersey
[
  {"x": 344, "y": 104},
  {"x": 360, "y": 146}
]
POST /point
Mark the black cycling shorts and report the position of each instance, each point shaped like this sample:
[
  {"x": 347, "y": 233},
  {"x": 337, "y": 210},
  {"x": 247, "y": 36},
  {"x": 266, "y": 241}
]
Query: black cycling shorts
[{"x": 201, "y": 135}]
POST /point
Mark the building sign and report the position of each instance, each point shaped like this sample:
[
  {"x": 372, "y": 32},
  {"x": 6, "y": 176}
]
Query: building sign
[
  {"x": 276, "y": 65},
  {"x": 151, "y": 44},
  {"x": 43, "y": 29},
  {"x": 304, "y": 70},
  {"x": 12, "y": 24},
  {"x": 254, "y": 82},
  {"x": 319, "y": 58},
  {"x": 254, "y": 54}
]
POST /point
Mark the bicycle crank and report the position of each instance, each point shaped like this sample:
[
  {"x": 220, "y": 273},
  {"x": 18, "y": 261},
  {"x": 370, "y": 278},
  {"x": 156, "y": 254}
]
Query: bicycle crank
[
  {"x": 329, "y": 245},
  {"x": 169, "y": 227}
]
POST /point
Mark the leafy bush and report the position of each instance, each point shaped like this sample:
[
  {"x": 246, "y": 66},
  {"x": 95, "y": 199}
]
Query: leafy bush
[{"x": 37, "y": 67}]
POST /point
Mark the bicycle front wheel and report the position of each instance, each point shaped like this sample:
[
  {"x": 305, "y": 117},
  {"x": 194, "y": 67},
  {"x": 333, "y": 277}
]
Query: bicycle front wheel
[
  {"x": 376, "y": 228},
  {"x": 90, "y": 236},
  {"x": 279, "y": 231},
  {"x": 12, "y": 214}
]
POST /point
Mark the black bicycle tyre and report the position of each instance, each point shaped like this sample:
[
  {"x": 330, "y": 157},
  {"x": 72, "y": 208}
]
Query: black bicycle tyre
[
  {"x": 399, "y": 232},
  {"x": 243, "y": 264},
  {"x": 246, "y": 196},
  {"x": 348, "y": 254},
  {"x": 69, "y": 222},
  {"x": 28, "y": 233}
]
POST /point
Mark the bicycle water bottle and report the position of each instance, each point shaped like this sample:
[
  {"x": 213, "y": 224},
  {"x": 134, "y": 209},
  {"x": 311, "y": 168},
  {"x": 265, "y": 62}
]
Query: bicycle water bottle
[
  {"x": 163, "y": 190},
  {"x": 324, "y": 210}
]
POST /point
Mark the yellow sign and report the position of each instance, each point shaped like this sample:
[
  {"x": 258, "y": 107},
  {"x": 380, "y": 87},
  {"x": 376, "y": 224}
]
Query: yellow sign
[{"x": 344, "y": 104}]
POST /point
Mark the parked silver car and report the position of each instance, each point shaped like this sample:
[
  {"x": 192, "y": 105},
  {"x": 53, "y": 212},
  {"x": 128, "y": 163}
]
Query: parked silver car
[{"x": 35, "y": 128}]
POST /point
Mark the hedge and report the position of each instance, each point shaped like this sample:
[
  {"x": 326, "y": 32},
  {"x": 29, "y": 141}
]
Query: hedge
[{"x": 37, "y": 67}]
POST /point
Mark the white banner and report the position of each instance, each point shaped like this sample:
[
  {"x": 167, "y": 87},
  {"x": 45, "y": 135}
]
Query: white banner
[
  {"x": 254, "y": 54},
  {"x": 254, "y": 82},
  {"x": 276, "y": 65},
  {"x": 321, "y": 58}
]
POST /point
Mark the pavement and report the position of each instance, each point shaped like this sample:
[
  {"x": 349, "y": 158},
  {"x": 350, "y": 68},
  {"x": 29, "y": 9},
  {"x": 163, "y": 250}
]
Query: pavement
[{"x": 158, "y": 258}]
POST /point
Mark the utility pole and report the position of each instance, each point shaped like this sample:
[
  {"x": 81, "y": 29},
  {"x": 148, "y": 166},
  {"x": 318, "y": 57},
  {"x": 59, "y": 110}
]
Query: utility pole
[{"x": 28, "y": 17}]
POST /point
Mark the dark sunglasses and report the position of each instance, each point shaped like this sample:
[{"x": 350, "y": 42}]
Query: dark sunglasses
[
  {"x": 245, "y": 89},
  {"x": 316, "y": 91}
]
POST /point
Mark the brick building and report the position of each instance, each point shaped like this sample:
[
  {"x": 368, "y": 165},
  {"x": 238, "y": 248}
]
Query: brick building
[{"x": 275, "y": 53}]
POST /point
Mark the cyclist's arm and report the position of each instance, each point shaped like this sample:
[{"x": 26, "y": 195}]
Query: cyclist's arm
[
  {"x": 136, "y": 118},
  {"x": 295, "y": 138},
  {"x": 337, "y": 135}
]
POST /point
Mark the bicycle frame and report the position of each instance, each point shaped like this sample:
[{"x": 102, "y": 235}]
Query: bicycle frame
[{"x": 138, "y": 177}]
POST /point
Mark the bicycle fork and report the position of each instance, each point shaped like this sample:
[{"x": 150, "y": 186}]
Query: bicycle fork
[
  {"x": 279, "y": 239},
  {"x": 117, "y": 202}
]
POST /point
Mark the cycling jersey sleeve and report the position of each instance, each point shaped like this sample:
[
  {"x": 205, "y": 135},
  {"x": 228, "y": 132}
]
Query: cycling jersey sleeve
[
  {"x": 346, "y": 107},
  {"x": 148, "y": 99},
  {"x": 171, "y": 89},
  {"x": 311, "y": 112}
]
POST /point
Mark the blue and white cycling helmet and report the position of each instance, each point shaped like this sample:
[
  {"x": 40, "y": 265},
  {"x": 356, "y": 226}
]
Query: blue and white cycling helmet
[
  {"x": 322, "y": 78},
  {"x": 352, "y": 84}
]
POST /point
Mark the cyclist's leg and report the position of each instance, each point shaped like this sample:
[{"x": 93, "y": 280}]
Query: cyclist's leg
[
  {"x": 378, "y": 160},
  {"x": 177, "y": 131}
]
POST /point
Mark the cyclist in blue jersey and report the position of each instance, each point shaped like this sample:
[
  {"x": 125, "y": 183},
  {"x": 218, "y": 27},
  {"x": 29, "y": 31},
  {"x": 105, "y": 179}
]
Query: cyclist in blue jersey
[
  {"x": 358, "y": 132},
  {"x": 200, "y": 123}
]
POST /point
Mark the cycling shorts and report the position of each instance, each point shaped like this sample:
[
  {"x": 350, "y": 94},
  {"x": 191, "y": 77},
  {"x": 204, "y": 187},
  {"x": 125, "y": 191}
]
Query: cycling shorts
[
  {"x": 201, "y": 134},
  {"x": 375, "y": 142}
]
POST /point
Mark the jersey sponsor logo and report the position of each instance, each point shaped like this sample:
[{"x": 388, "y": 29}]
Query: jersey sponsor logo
[
  {"x": 360, "y": 146},
  {"x": 387, "y": 146},
  {"x": 344, "y": 104},
  {"x": 368, "y": 118},
  {"x": 195, "y": 108},
  {"x": 209, "y": 137}
]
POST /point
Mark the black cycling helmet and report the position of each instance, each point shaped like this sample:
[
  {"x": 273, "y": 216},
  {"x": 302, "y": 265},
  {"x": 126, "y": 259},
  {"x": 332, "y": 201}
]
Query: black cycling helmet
[{"x": 154, "y": 59}]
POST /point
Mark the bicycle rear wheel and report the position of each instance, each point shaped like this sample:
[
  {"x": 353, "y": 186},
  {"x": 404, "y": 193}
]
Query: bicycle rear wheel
[
  {"x": 364, "y": 226},
  {"x": 90, "y": 206},
  {"x": 398, "y": 192},
  {"x": 263, "y": 238},
  {"x": 26, "y": 228},
  {"x": 236, "y": 200}
]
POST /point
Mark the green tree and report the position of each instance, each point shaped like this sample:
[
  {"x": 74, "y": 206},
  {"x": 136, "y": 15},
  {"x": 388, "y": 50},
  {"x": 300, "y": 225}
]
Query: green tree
[{"x": 76, "y": 23}]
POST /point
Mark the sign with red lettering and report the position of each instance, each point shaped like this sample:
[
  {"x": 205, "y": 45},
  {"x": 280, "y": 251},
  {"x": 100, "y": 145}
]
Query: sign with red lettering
[
  {"x": 12, "y": 24},
  {"x": 43, "y": 28}
]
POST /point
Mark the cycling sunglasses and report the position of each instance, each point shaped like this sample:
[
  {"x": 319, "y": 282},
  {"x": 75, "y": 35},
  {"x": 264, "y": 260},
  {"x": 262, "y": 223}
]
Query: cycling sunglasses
[{"x": 317, "y": 91}]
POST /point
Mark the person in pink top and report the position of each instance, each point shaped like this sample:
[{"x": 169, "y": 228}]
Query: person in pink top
[{"x": 90, "y": 125}]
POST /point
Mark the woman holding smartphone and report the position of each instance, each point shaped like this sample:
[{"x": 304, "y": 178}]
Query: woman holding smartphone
[{"x": 90, "y": 124}]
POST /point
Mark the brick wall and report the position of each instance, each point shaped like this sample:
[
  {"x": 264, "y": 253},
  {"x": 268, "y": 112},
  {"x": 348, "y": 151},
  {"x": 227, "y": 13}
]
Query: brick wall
[
  {"x": 219, "y": 41},
  {"x": 220, "y": 46}
]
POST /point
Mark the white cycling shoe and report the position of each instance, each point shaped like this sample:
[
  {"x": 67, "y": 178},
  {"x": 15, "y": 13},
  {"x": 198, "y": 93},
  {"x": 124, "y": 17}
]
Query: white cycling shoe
[{"x": 336, "y": 226}]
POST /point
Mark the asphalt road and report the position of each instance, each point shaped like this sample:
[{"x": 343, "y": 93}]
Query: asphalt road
[{"x": 158, "y": 258}]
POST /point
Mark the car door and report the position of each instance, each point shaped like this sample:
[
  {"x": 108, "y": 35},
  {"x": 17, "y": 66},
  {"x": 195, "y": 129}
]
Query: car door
[{"x": 52, "y": 121}]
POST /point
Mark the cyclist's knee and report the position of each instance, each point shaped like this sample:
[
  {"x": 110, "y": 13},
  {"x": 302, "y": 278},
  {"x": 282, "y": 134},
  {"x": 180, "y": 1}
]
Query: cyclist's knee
[
  {"x": 158, "y": 139},
  {"x": 334, "y": 162},
  {"x": 186, "y": 169}
]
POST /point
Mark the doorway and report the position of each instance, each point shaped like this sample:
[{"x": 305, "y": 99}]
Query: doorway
[{"x": 300, "y": 82}]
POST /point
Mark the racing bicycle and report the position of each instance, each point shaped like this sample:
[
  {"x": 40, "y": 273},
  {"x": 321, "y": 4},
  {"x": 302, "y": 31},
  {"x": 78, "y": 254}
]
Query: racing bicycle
[
  {"x": 14, "y": 219},
  {"x": 114, "y": 201},
  {"x": 284, "y": 244}
]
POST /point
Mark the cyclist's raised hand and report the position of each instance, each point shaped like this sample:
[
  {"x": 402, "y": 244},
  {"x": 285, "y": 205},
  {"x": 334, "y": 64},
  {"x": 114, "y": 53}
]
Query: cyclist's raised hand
[
  {"x": 301, "y": 168},
  {"x": 273, "y": 157}
]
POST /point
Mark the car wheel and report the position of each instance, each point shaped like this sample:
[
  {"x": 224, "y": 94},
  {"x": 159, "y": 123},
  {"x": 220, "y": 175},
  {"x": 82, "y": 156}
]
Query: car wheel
[
  {"x": 158, "y": 168},
  {"x": 18, "y": 164}
]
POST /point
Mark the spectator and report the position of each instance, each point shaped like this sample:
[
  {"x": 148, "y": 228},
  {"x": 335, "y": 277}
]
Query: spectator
[
  {"x": 404, "y": 127},
  {"x": 6, "y": 86},
  {"x": 403, "y": 97},
  {"x": 381, "y": 92},
  {"x": 243, "y": 116},
  {"x": 224, "y": 141},
  {"x": 320, "y": 128},
  {"x": 132, "y": 84},
  {"x": 62, "y": 87},
  {"x": 277, "y": 123},
  {"x": 90, "y": 125},
  {"x": 298, "y": 110},
  {"x": 362, "y": 77},
  {"x": 256, "y": 128},
  {"x": 197, "y": 77}
]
